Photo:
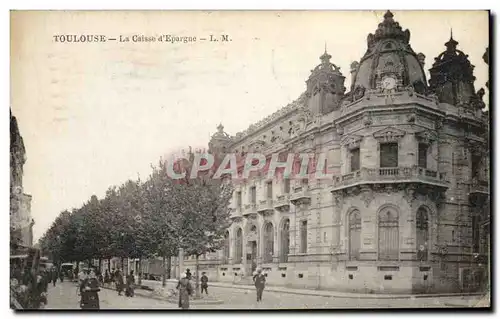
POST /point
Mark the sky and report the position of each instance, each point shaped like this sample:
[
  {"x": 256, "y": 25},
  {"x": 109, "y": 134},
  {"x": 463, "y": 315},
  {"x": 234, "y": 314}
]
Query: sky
[{"x": 93, "y": 115}]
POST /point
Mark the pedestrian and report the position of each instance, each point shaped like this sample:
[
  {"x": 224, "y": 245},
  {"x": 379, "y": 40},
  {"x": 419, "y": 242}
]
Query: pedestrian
[
  {"x": 260, "y": 282},
  {"x": 204, "y": 282},
  {"x": 61, "y": 275},
  {"x": 54, "y": 276},
  {"x": 101, "y": 279},
  {"x": 107, "y": 279},
  {"x": 188, "y": 274},
  {"x": 119, "y": 282},
  {"x": 129, "y": 288},
  {"x": 89, "y": 291},
  {"x": 185, "y": 290}
]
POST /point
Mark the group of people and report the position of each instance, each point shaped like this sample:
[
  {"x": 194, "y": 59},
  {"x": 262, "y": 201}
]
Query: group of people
[
  {"x": 90, "y": 282},
  {"x": 186, "y": 288},
  {"x": 29, "y": 287}
]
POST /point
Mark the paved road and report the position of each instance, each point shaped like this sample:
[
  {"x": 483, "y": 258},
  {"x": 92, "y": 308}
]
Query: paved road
[{"x": 64, "y": 296}]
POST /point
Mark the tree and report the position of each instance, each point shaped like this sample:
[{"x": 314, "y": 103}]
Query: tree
[
  {"x": 200, "y": 213},
  {"x": 157, "y": 222}
]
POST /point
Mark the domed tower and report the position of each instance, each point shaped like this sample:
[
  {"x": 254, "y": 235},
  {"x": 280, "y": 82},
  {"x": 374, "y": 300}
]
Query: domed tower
[
  {"x": 325, "y": 86},
  {"x": 219, "y": 143},
  {"x": 389, "y": 62},
  {"x": 452, "y": 76}
]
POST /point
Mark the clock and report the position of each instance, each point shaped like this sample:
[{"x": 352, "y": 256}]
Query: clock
[{"x": 389, "y": 83}]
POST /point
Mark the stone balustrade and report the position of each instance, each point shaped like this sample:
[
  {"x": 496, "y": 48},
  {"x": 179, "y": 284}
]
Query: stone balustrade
[{"x": 390, "y": 174}]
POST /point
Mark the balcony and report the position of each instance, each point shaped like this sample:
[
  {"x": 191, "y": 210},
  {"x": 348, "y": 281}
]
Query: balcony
[
  {"x": 282, "y": 202},
  {"x": 236, "y": 212},
  {"x": 479, "y": 192},
  {"x": 300, "y": 195},
  {"x": 390, "y": 175},
  {"x": 250, "y": 209},
  {"x": 479, "y": 187},
  {"x": 265, "y": 206}
]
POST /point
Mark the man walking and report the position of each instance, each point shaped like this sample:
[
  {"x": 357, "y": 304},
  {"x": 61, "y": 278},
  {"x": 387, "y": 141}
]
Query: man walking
[
  {"x": 204, "y": 283},
  {"x": 260, "y": 282},
  {"x": 54, "y": 276}
]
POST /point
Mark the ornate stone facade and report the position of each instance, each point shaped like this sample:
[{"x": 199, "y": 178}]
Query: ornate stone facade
[
  {"x": 409, "y": 187},
  {"x": 21, "y": 223}
]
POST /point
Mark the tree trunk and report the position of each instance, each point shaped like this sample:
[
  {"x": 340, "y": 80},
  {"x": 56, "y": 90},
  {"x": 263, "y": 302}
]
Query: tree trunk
[
  {"x": 198, "y": 293},
  {"x": 100, "y": 262},
  {"x": 90, "y": 262},
  {"x": 139, "y": 272},
  {"x": 122, "y": 266},
  {"x": 169, "y": 267},
  {"x": 164, "y": 277},
  {"x": 109, "y": 265}
]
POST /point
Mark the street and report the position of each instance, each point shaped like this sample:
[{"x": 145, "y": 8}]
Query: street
[{"x": 64, "y": 296}]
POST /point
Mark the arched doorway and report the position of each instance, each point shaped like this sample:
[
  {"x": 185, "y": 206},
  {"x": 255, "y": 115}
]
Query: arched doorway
[
  {"x": 354, "y": 234},
  {"x": 422, "y": 225},
  {"x": 285, "y": 241},
  {"x": 388, "y": 234},
  {"x": 252, "y": 247},
  {"x": 226, "y": 247},
  {"x": 268, "y": 243},
  {"x": 239, "y": 246}
]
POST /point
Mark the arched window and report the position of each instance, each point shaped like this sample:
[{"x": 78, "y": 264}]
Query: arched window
[
  {"x": 354, "y": 234},
  {"x": 422, "y": 222},
  {"x": 285, "y": 241},
  {"x": 239, "y": 246},
  {"x": 388, "y": 234},
  {"x": 268, "y": 243},
  {"x": 226, "y": 246}
]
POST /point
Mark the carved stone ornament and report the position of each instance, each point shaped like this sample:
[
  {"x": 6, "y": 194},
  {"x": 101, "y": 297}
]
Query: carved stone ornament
[
  {"x": 410, "y": 118},
  {"x": 410, "y": 90},
  {"x": 409, "y": 194},
  {"x": 427, "y": 137},
  {"x": 367, "y": 196},
  {"x": 359, "y": 92},
  {"x": 367, "y": 120},
  {"x": 352, "y": 141},
  {"x": 389, "y": 134}
]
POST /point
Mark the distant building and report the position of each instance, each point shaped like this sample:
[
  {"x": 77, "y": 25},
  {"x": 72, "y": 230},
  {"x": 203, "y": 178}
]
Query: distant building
[
  {"x": 21, "y": 223},
  {"x": 407, "y": 208}
]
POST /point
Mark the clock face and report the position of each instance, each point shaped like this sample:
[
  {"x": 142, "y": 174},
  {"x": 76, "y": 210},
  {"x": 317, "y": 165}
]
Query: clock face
[{"x": 389, "y": 83}]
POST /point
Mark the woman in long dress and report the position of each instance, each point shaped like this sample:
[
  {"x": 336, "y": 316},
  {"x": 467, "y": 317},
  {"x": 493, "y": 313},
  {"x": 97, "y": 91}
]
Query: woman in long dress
[
  {"x": 185, "y": 290},
  {"x": 89, "y": 291}
]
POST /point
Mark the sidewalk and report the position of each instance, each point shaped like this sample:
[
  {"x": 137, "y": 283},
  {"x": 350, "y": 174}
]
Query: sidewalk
[{"x": 322, "y": 293}]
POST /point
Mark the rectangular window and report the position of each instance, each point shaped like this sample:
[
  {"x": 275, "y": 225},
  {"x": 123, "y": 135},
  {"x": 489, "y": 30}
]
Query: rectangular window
[
  {"x": 269, "y": 190},
  {"x": 238, "y": 199},
  {"x": 476, "y": 161},
  {"x": 253, "y": 195},
  {"x": 355, "y": 160},
  {"x": 389, "y": 155},
  {"x": 303, "y": 237},
  {"x": 422, "y": 155},
  {"x": 287, "y": 185}
]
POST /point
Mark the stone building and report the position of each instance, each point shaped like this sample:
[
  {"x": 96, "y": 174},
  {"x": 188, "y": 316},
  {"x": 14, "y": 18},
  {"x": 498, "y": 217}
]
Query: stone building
[
  {"x": 21, "y": 223},
  {"x": 410, "y": 189}
]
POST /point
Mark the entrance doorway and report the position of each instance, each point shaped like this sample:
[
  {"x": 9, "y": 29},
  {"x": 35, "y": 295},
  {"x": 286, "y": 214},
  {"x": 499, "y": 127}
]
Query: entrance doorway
[{"x": 252, "y": 257}]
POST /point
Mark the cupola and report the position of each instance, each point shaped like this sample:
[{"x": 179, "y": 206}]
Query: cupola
[
  {"x": 325, "y": 86},
  {"x": 220, "y": 141},
  {"x": 452, "y": 77},
  {"x": 390, "y": 59}
]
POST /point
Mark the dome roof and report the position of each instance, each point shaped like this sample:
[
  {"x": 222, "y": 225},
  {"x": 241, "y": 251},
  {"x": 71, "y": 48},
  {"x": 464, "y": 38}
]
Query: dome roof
[{"x": 389, "y": 54}]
